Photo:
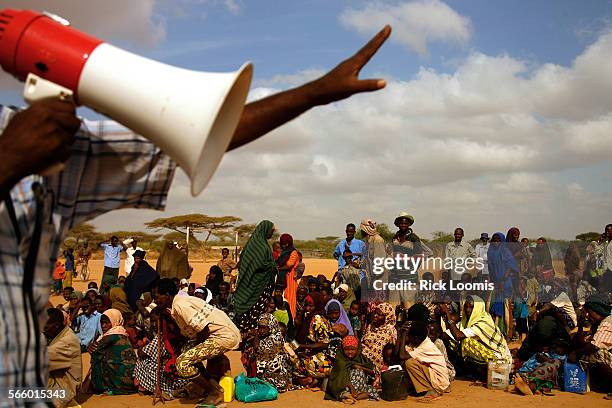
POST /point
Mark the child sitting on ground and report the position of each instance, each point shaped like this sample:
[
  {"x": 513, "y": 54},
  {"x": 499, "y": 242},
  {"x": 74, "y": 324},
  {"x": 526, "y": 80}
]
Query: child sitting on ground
[
  {"x": 350, "y": 378},
  {"x": 434, "y": 331},
  {"x": 356, "y": 318},
  {"x": 136, "y": 335}
]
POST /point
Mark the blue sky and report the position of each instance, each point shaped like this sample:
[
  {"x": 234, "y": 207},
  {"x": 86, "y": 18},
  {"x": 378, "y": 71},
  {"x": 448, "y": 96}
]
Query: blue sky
[{"x": 496, "y": 113}]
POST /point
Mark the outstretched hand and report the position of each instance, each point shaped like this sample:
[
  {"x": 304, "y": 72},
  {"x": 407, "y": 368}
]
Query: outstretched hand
[
  {"x": 264, "y": 115},
  {"x": 343, "y": 81}
]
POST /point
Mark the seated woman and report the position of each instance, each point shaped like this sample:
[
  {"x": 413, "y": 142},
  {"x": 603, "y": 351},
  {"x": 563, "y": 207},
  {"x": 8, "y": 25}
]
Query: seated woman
[
  {"x": 380, "y": 332},
  {"x": 596, "y": 349},
  {"x": 562, "y": 309},
  {"x": 171, "y": 341},
  {"x": 313, "y": 336},
  {"x": 424, "y": 362},
  {"x": 352, "y": 374},
  {"x": 112, "y": 357},
  {"x": 545, "y": 331},
  {"x": 336, "y": 315},
  {"x": 272, "y": 361},
  {"x": 476, "y": 339}
]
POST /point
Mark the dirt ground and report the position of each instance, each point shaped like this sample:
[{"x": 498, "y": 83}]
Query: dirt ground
[{"x": 462, "y": 394}]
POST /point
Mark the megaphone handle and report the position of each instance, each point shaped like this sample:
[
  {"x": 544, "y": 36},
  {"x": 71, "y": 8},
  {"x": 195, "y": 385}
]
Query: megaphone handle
[{"x": 37, "y": 89}]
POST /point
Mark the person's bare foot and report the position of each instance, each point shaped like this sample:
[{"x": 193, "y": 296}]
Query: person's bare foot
[{"x": 521, "y": 385}]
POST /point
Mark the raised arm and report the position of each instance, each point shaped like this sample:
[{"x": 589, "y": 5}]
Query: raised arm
[{"x": 260, "y": 117}]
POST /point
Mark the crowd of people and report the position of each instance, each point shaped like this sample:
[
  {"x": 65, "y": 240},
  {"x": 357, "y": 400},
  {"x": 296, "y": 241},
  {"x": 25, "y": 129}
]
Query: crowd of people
[{"x": 339, "y": 335}]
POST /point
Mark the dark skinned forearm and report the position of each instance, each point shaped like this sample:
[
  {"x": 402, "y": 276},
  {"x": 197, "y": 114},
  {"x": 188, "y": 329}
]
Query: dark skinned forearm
[{"x": 264, "y": 115}]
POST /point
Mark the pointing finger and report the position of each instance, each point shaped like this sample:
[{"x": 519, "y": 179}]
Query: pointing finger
[{"x": 367, "y": 51}]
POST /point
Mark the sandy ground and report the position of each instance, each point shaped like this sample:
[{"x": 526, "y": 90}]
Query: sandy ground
[{"x": 462, "y": 394}]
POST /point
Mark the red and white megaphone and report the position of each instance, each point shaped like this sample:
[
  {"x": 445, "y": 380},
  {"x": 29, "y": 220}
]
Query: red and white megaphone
[{"x": 190, "y": 115}]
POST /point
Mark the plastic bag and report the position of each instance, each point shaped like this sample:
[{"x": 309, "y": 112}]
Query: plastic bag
[
  {"x": 575, "y": 378},
  {"x": 254, "y": 390}
]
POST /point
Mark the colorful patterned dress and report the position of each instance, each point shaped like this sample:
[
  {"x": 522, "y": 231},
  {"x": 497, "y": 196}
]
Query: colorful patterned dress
[{"x": 112, "y": 365}]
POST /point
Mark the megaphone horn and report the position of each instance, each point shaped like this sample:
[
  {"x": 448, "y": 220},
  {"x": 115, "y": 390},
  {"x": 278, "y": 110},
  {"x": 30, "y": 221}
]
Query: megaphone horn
[{"x": 190, "y": 115}]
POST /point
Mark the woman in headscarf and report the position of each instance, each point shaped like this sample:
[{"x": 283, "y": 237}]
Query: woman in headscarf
[
  {"x": 477, "y": 339},
  {"x": 287, "y": 262},
  {"x": 256, "y": 274},
  {"x": 380, "y": 332},
  {"x": 337, "y": 315},
  {"x": 349, "y": 379},
  {"x": 314, "y": 334},
  {"x": 173, "y": 263},
  {"x": 572, "y": 267},
  {"x": 140, "y": 279},
  {"x": 118, "y": 299},
  {"x": 503, "y": 268},
  {"x": 214, "y": 279},
  {"x": 273, "y": 363},
  {"x": 112, "y": 357},
  {"x": 544, "y": 333},
  {"x": 376, "y": 249},
  {"x": 542, "y": 259},
  {"x": 345, "y": 295},
  {"x": 145, "y": 373}
]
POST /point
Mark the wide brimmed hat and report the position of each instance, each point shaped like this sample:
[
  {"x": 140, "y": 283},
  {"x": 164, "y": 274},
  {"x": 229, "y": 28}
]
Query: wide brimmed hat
[
  {"x": 403, "y": 215},
  {"x": 485, "y": 236}
]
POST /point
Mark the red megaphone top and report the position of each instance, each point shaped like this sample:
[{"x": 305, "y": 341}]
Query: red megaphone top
[{"x": 32, "y": 42}]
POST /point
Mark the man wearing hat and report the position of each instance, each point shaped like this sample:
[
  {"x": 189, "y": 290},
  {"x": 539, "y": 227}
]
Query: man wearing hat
[
  {"x": 406, "y": 242},
  {"x": 481, "y": 250}
]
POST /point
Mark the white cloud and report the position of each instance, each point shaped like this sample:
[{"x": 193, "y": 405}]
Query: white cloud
[
  {"x": 415, "y": 23},
  {"x": 479, "y": 147},
  {"x": 290, "y": 80}
]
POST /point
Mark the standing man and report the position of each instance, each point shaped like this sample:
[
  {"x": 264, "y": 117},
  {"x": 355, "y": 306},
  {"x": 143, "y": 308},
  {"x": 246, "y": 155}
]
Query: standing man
[
  {"x": 112, "y": 255},
  {"x": 481, "y": 250},
  {"x": 459, "y": 252},
  {"x": 132, "y": 246},
  {"x": 406, "y": 242},
  {"x": 227, "y": 265},
  {"x": 351, "y": 244},
  {"x": 212, "y": 333},
  {"x": 105, "y": 167}
]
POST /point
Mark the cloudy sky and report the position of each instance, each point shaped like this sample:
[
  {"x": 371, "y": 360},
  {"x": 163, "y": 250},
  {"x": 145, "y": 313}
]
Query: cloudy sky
[{"x": 495, "y": 114}]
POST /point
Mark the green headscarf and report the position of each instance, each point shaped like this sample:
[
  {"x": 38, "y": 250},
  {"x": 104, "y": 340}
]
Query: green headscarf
[
  {"x": 339, "y": 377},
  {"x": 256, "y": 270}
]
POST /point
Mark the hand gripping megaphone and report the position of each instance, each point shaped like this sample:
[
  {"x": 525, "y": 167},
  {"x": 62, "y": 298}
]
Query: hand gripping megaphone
[{"x": 190, "y": 115}]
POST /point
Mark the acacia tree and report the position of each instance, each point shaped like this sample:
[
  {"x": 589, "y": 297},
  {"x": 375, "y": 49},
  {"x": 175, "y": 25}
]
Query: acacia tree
[
  {"x": 588, "y": 236},
  {"x": 197, "y": 224},
  {"x": 142, "y": 237},
  {"x": 85, "y": 232}
]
